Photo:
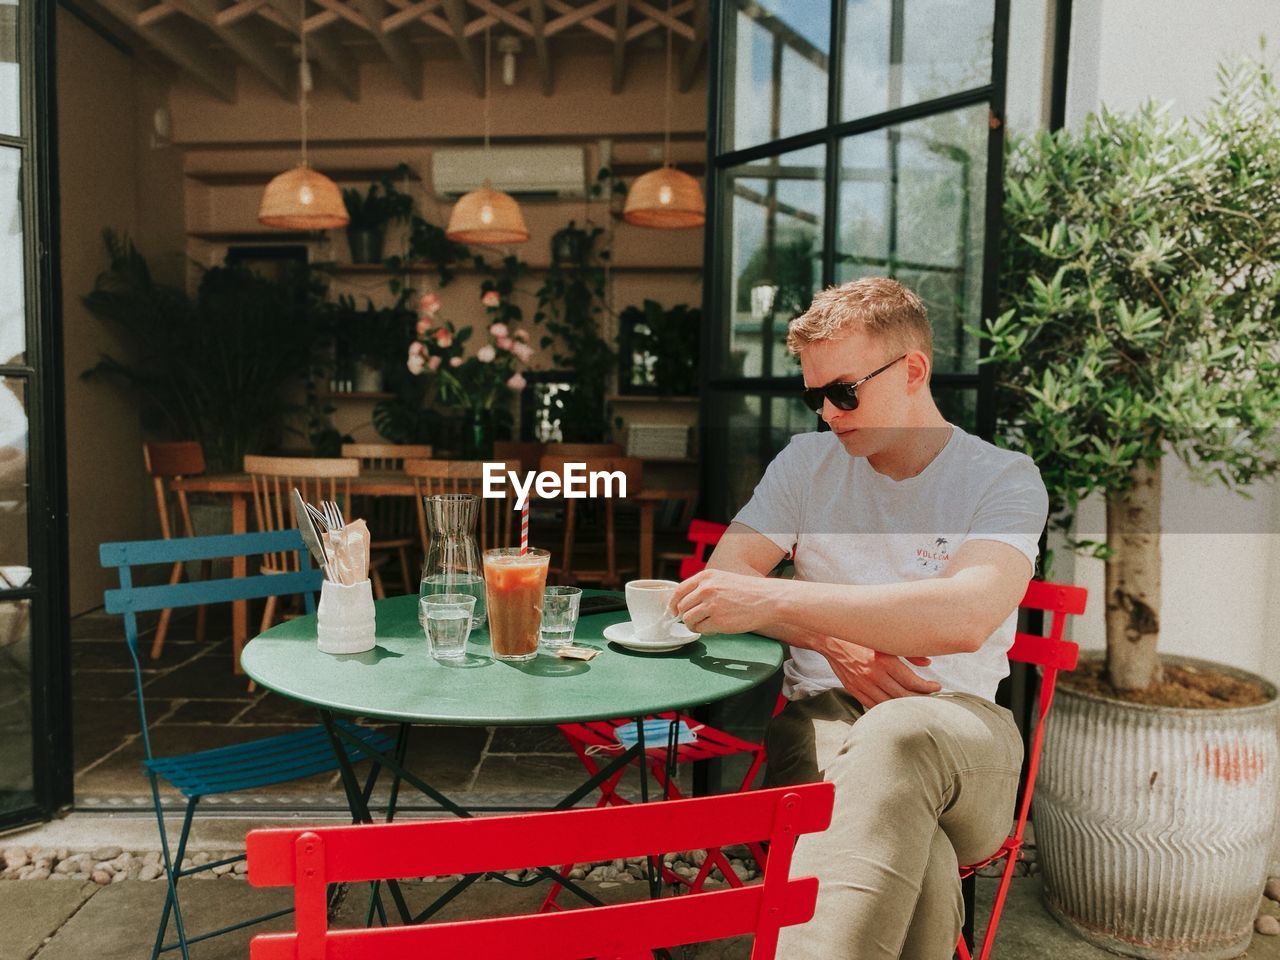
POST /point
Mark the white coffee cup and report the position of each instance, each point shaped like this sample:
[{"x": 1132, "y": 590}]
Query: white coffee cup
[{"x": 649, "y": 603}]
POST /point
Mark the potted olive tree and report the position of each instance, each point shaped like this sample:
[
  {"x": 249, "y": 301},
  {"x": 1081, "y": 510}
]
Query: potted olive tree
[{"x": 1140, "y": 321}]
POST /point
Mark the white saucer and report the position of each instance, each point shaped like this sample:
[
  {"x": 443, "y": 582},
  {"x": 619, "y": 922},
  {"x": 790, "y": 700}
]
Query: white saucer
[{"x": 623, "y": 634}]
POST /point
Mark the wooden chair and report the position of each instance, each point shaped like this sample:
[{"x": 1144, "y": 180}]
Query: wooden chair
[
  {"x": 309, "y": 859},
  {"x": 166, "y": 462},
  {"x": 610, "y": 576},
  {"x": 431, "y": 477},
  {"x": 391, "y": 519},
  {"x": 316, "y": 479}
]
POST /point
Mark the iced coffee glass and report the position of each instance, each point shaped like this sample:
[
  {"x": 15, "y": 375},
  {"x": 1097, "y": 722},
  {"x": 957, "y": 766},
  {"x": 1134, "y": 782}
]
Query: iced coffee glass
[{"x": 513, "y": 585}]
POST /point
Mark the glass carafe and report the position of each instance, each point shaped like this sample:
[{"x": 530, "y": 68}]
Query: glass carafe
[{"x": 453, "y": 563}]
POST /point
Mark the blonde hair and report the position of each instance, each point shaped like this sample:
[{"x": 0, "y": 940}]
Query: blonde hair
[{"x": 882, "y": 307}]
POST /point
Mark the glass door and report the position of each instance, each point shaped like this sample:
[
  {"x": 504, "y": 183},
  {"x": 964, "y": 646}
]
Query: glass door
[
  {"x": 848, "y": 138},
  {"x": 35, "y": 767}
]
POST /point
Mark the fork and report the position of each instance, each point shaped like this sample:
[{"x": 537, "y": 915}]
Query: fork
[{"x": 334, "y": 514}]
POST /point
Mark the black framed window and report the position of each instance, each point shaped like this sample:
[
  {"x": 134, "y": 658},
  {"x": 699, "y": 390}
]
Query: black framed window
[
  {"x": 35, "y": 751},
  {"x": 848, "y": 138}
]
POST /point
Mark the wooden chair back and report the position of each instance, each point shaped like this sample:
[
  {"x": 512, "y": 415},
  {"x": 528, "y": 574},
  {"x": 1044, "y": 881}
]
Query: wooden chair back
[
  {"x": 165, "y": 462},
  {"x": 310, "y": 859},
  {"x": 317, "y": 478},
  {"x": 432, "y": 477},
  {"x": 386, "y": 456}
]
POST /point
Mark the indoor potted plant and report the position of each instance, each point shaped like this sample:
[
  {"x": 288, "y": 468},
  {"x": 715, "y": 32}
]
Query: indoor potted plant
[
  {"x": 478, "y": 385},
  {"x": 370, "y": 212},
  {"x": 1140, "y": 320}
]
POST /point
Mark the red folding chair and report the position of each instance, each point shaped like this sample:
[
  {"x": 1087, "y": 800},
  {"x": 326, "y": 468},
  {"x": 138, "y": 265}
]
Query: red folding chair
[
  {"x": 703, "y": 534},
  {"x": 1052, "y": 654},
  {"x": 308, "y": 859},
  {"x": 587, "y": 739}
]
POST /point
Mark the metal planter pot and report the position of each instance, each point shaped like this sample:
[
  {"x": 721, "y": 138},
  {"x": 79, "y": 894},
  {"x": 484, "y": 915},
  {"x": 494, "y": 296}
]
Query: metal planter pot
[{"x": 1154, "y": 825}]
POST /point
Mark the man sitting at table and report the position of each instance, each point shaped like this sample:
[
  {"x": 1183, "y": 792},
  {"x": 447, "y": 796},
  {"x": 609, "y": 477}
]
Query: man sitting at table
[{"x": 913, "y": 542}]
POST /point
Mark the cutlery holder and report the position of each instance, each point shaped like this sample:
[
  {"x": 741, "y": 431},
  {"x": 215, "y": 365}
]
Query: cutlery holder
[{"x": 345, "y": 617}]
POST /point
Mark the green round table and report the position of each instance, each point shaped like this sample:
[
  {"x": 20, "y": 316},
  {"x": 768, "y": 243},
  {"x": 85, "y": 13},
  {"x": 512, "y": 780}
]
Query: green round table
[{"x": 399, "y": 681}]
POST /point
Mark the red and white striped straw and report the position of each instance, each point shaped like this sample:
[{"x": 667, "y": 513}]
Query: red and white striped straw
[{"x": 524, "y": 529}]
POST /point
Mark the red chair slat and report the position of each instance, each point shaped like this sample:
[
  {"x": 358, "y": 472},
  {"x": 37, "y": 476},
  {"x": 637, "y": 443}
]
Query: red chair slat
[{"x": 312, "y": 858}]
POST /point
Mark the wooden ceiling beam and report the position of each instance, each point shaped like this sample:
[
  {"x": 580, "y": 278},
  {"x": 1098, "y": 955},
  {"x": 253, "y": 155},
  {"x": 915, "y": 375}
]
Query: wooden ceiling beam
[
  {"x": 248, "y": 42},
  {"x": 407, "y": 14},
  {"x": 456, "y": 14},
  {"x": 238, "y": 11},
  {"x": 692, "y": 55},
  {"x": 334, "y": 59},
  {"x": 183, "y": 44},
  {"x": 571, "y": 16},
  {"x": 620, "y": 10},
  {"x": 508, "y": 15},
  {"x": 538, "y": 19},
  {"x": 659, "y": 16},
  {"x": 404, "y": 57}
]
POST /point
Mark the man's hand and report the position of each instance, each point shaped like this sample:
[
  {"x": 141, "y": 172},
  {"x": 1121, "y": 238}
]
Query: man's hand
[
  {"x": 873, "y": 677},
  {"x": 717, "y": 601}
]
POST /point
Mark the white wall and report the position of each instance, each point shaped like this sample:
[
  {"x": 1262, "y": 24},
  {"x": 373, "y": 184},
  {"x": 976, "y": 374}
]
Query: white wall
[{"x": 1221, "y": 563}]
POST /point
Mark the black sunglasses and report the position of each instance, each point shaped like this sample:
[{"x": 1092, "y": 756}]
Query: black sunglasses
[{"x": 843, "y": 394}]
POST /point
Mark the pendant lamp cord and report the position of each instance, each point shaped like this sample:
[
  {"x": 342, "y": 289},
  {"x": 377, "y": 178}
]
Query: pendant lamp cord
[
  {"x": 486, "y": 89},
  {"x": 666, "y": 133},
  {"x": 304, "y": 74}
]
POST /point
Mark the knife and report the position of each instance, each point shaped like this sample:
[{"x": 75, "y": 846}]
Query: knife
[{"x": 308, "y": 531}]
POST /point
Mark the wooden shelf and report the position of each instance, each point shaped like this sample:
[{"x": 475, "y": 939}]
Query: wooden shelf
[
  {"x": 356, "y": 395},
  {"x": 649, "y": 398},
  {"x": 374, "y": 269},
  {"x": 247, "y": 178},
  {"x": 257, "y": 236}
]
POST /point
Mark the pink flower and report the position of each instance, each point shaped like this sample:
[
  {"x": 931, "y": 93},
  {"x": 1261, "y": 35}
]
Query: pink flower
[
  {"x": 444, "y": 338},
  {"x": 500, "y": 330},
  {"x": 455, "y": 361},
  {"x": 428, "y": 305},
  {"x": 505, "y": 343},
  {"x": 522, "y": 336},
  {"x": 416, "y": 363},
  {"x": 523, "y": 351},
  {"x": 423, "y": 327},
  {"x": 433, "y": 363},
  {"x": 517, "y": 381},
  {"x": 491, "y": 298},
  {"x": 417, "y": 349},
  {"x": 486, "y": 354}
]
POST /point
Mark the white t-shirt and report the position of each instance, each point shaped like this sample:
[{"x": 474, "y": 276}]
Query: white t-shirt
[{"x": 843, "y": 522}]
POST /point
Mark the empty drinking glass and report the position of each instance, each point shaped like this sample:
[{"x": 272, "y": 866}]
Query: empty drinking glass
[
  {"x": 447, "y": 620},
  {"x": 559, "y": 616}
]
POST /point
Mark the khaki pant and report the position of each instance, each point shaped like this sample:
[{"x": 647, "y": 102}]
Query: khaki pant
[{"x": 923, "y": 784}]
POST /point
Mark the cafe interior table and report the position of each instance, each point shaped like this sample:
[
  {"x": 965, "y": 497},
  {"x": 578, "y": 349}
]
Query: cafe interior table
[
  {"x": 399, "y": 682},
  {"x": 377, "y": 483}
]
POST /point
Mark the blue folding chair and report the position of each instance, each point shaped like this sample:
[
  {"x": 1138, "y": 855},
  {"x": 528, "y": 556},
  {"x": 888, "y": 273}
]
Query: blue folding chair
[{"x": 244, "y": 766}]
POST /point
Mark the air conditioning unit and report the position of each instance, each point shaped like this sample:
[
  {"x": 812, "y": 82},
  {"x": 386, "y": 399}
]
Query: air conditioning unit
[{"x": 530, "y": 171}]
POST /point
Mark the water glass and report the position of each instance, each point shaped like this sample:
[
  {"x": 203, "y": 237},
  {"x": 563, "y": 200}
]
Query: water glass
[
  {"x": 447, "y": 619},
  {"x": 559, "y": 616}
]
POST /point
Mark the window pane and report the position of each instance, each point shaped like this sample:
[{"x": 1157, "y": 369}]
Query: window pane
[
  {"x": 13, "y": 332},
  {"x": 775, "y": 69},
  {"x": 773, "y": 219},
  {"x": 749, "y": 431},
  {"x": 900, "y": 52},
  {"x": 959, "y": 405},
  {"x": 16, "y": 782},
  {"x": 912, "y": 206},
  {"x": 14, "y": 570},
  {"x": 10, "y": 88}
]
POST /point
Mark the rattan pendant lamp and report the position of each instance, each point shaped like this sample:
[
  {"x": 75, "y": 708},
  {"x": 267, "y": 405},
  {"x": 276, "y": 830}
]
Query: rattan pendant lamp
[
  {"x": 302, "y": 198},
  {"x": 487, "y": 217},
  {"x": 666, "y": 198}
]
